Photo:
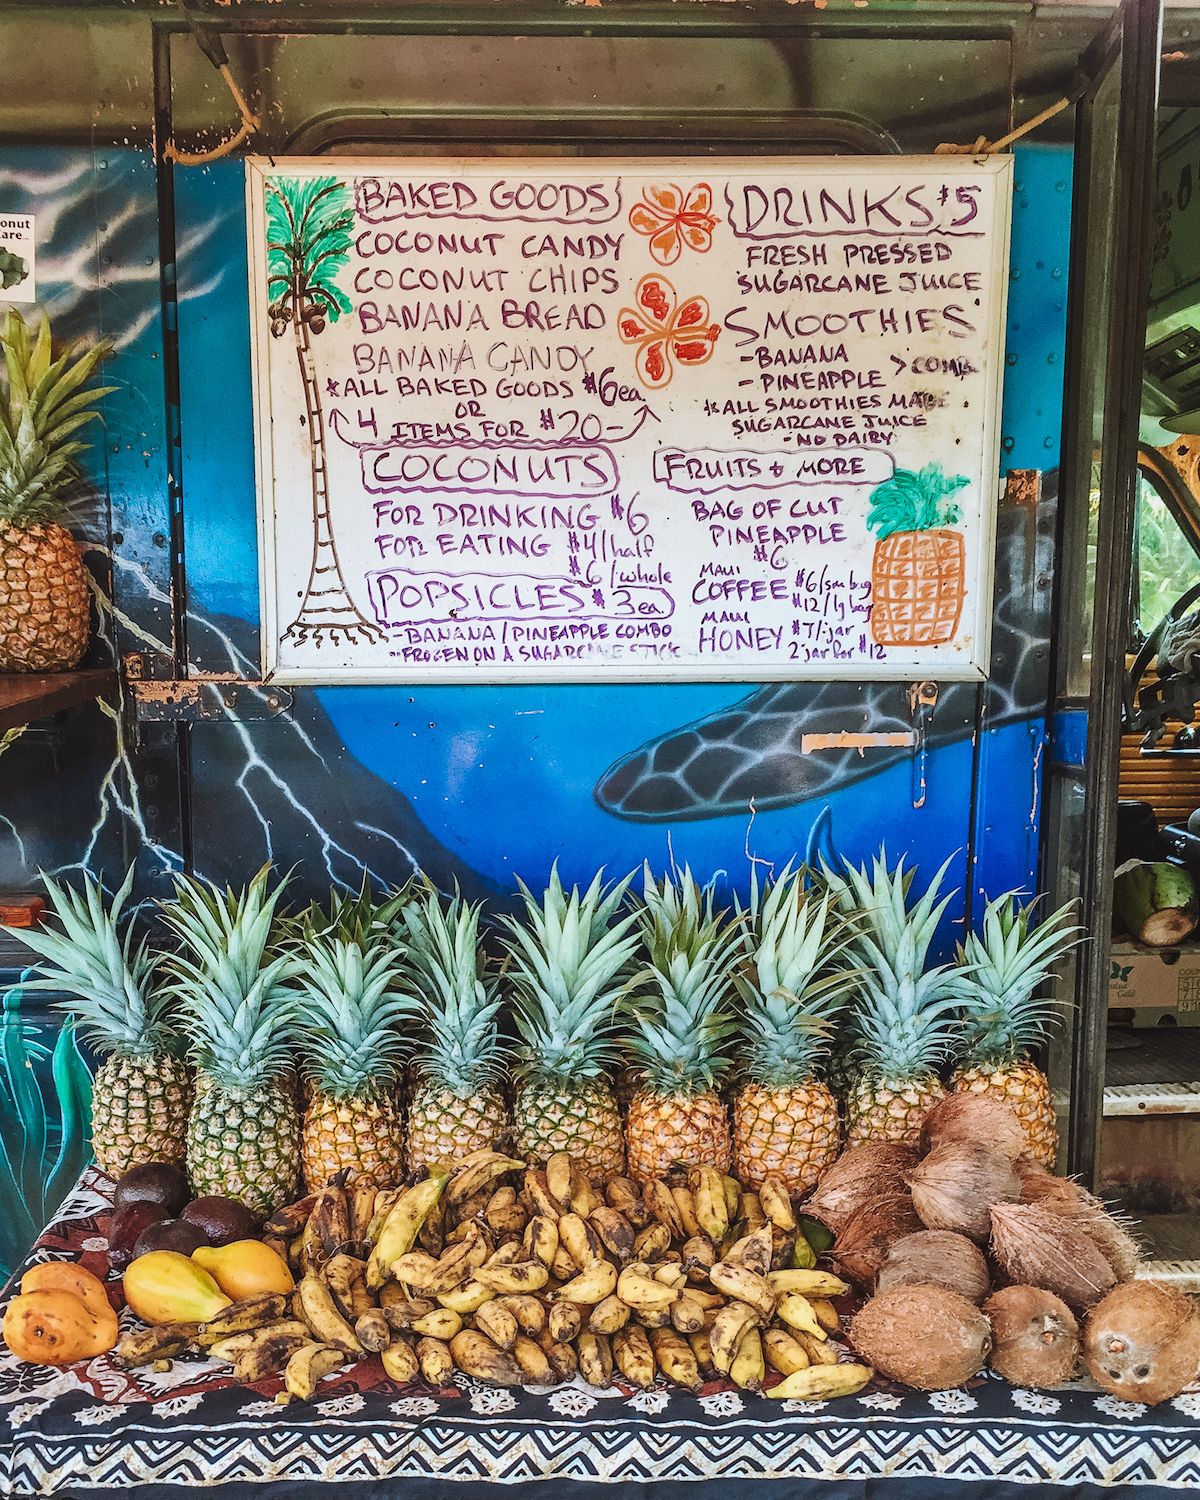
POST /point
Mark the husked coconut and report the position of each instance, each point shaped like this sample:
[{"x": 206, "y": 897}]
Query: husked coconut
[
  {"x": 1142, "y": 1342},
  {"x": 974, "y": 1117},
  {"x": 956, "y": 1185},
  {"x": 936, "y": 1257},
  {"x": 869, "y": 1233},
  {"x": 1062, "y": 1195},
  {"x": 1035, "y": 1338},
  {"x": 1035, "y": 1247},
  {"x": 924, "y": 1336},
  {"x": 873, "y": 1170}
]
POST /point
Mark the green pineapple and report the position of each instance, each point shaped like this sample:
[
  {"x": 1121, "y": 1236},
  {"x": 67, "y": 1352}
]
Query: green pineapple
[
  {"x": 785, "y": 1118},
  {"x": 568, "y": 965},
  {"x": 142, "y": 1091},
  {"x": 243, "y": 1138},
  {"x": 904, "y": 1016},
  {"x": 458, "y": 1105},
  {"x": 354, "y": 993},
  {"x": 681, "y": 1022},
  {"x": 1004, "y": 965},
  {"x": 45, "y": 601}
]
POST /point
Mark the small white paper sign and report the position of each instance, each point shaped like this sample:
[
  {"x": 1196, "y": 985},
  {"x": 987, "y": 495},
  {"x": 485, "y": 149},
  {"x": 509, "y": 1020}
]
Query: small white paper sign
[{"x": 17, "y": 270}]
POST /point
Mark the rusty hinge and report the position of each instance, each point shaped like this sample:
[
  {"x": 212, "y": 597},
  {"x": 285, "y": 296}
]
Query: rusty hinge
[{"x": 159, "y": 700}]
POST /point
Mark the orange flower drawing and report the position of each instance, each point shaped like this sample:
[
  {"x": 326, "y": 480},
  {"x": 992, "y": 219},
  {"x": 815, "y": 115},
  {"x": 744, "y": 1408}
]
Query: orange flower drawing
[
  {"x": 664, "y": 332},
  {"x": 673, "y": 219}
]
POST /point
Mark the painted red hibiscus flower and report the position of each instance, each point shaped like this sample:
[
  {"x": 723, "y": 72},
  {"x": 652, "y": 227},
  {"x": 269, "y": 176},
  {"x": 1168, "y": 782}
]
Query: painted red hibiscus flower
[
  {"x": 666, "y": 331},
  {"x": 673, "y": 217}
]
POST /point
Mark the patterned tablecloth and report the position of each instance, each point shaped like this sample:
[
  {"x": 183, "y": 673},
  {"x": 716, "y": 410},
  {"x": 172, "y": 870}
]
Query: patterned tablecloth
[{"x": 93, "y": 1429}]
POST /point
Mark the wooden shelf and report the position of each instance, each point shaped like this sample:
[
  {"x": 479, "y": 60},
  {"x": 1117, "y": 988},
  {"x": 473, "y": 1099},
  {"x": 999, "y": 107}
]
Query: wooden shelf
[{"x": 24, "y": 698}]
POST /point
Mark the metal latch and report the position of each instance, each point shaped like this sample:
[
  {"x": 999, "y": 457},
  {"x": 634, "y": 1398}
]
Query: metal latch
[
  {"x": 922, "y": 700},
  {"x": 187, "y": 700}
]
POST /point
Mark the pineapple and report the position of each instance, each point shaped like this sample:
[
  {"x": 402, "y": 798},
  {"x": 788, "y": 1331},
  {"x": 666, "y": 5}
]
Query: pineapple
[
  {"x": 677, "y": 1114},
  {"x": 45, "y": 614},
  {"x": 785, "y": 1120},
  {"x": 350, "y": 1002},
  {"x": 1004, "y": 964},
  {"x": 903, "y": 1017},
  {"x": 243, "y": 1138},
  {"x": 458, "y": 1104},
  {"x": 918, "y": 573},
  {"x": 142, "y": 1091},
  {"x": 568, "y": 964}
]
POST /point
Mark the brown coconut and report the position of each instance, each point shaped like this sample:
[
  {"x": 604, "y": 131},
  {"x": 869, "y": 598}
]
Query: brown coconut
[
  {"x": 955, "y": 1186},
  {"x": 974, "y": 1117},
  {"x": 936, "y": 1257},
  {"x": 860, "y": 1175},
  {"x": 1035, "y": 1338},
  {"x": 1142, "y": 1342},
  {"x": 1061, "y": 1195},
  {"x": 924, "y": 1336},
  {"x": 868, "y": 1234},
  {"x": 1036, "y": 1247}
]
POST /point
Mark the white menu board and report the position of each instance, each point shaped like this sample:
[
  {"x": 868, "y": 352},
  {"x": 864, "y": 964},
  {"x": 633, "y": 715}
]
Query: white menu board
[{"x": 599, "y": 419}]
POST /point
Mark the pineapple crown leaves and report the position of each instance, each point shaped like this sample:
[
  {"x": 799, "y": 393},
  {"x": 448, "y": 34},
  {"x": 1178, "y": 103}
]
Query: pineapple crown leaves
[
  {"x": 42, "y": 405},
  {"x": 915, "y": 501},
  {"x": 351, "y": 996},
  {"x": 353, "y": 915},
  {"x": 677, "y": 913},
  {"x": 464, "y": 1052},
  {"x": 109, "y": 975},
  {"x": 888, "y": 931},
  {"x": 904, "y": 1021},
  {"x": 1005, "y": 963},
  {"x": 568, "y": 962},
  {"x": 235, "y": 1003}
]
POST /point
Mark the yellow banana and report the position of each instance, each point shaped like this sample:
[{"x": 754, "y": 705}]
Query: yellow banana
[
  {"x": 702, "y": 1349},
  {"x": 746, "y": 1286},
  {"x": 708, "y": 1198},
  {"x": 398, "y": 1232},
  {"x": 653, "y": 1241},
  {"x": 733, "y": 1197},
  {"x": 319, "y": 1312},
  {"x": 399, "y": 1361},
  {"x": 777, "y": 1204},
  {"x": 819, "y": 1351},
  {"x": 685, "y": 1206},
  {"x": 477, "y": 1173},
  {"x": 826, "y": 1314},
  {"x": 442, "y": 1323},
  {"x": 783, "y": 1352},
  {"x": 675, "y": 1358},
  {"x": 564, "y": 1365},
  {"x": 634, "y": 1356},
  {"x": 538, "y": 1192},
  {"x": 476, "y": 1355},
  {"x": 533, "y": 1362},
  {"x": 698, "y": 1256},
  {"x": 811, "y": 1283},
  {"x": 671, "y": 1273},
  {"x": 754, "y": 1251},
  {"x": 616, "y": 1233},
  {"x": 344, "y": 1277},
  {"x": 623, "y": 1195},
  {"x": 609, "y": 1315},
  {"x": 752, "y": 1210},
  {"x": 558, "y": 1175},
  {"x": 467, "y": 1298},
  {"x": 453, "y": 1267},
  {"x": 564, "y": 1322},
  {"x": 515, "y": 1276},
  {"x": 821, "y": 1381},
  {"x": 503, "y": 1214},
  {"x": 385, "y": 1200},
  {"x": 144, "y": 1345},
  {"x": 641, "y": 1291},
  {"x": 414, "y": 1268},
  {"x": 308, "y": 1366},
  {"x": 579, "y": 1240},
  {"x": 687, "y": 1315},
  {"x": 436, "y": 1363},
  {"x": 529, "y": 1311},
  {"x": 597, "y": 1280},
  {"x": 361, "y": 1198},
  {"x": 795, "y": 1310},
  {"x": 749, "y": 1368},
  {"x": 541, "y": 1239},
  {"x": 728, "y": 1328},
  {"x": 241, "y": 1317},
  {"x": 663, "y": 1208},
  {"x": 498, "y": 1323},
  {"x": 582, "y": 1195},
  {"x": 372, "y": 1330},
  {"x": 595, "y": 1359}
]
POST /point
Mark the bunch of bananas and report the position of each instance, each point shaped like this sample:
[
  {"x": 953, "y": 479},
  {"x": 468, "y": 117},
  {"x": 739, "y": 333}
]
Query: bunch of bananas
[{"x": 526, "y": 1275}]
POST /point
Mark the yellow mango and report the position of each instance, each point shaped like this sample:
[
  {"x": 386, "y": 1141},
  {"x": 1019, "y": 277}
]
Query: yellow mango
[
  {"x": 245, "y": 1268},
  {"x": 166, "y": 1287}
]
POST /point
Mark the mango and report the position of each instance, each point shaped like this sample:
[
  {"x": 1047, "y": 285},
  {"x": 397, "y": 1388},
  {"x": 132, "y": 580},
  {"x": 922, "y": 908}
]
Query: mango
[
  {"x": 54, "y": 1327},
  {"x": 66, "y": 1276},
  {"x": 166, "y": 1287},
  {"x": 245, "y": 1268}
]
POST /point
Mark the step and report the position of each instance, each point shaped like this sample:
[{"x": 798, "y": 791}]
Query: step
[{"x": 1144, "y": 1099}]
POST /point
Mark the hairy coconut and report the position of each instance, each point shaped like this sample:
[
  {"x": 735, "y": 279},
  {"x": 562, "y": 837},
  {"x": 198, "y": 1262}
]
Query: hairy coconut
[
  {"x": 1035, "y": 1338},
  {"x": 873, "y": 1170},
  {"x": 868, "y": 1234},
  {"x": 1035, "y": 1247},
  {"x": 1061, "y": 1195},
  {"x": 936, "y": 1257},
  {"x": 925, "y": 1336},
  {"x": 955, "y": 1186},
  {"x": 974, "y": 1117},
  {"x": 1142, "y": 1342}
]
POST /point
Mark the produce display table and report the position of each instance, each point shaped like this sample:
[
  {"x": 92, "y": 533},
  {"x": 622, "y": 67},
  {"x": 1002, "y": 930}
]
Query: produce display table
[{"x": 93, "y": 1429}]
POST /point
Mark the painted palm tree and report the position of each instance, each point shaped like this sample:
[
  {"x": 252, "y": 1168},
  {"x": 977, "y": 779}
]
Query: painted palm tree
[{"x": 308, "y": 244}]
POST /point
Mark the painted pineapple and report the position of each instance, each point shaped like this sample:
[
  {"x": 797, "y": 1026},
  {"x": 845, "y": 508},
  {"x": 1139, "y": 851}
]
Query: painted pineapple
[
  {"x": 681, "y": 1023},
  {"x": 243, "y": 1138},
  {"x": 142, "y": 1091},
  {"x": 1005, "y": 963},
  {"x": 354, "y": 993},
  {"x": 918, "y": 574},
  {"x": 568, "y": 965},
  {"x": 458, "y": 1105},
  {"x": 785, "y": 1119},
  {"x": 904, "y": 1015},
  {"x": 45, "y": 616}
]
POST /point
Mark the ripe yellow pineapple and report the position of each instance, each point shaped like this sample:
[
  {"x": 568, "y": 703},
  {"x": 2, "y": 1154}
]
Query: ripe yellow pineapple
[
  {"x": 457, "y": 1104},
  {"x": 568, "y": 967},
  {"x": 143, "y": 1090},
  {"x": 1005, "y": 963},
  {"x": 45, "y": 615},
  {"x": 786, "y": 1122},
  {"x": 904, "y": 1015},
  {"x": 681, "y": 1020}
]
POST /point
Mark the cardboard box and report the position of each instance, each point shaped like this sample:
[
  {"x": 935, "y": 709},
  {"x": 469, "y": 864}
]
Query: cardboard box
[{"x": 1155, "y": 984}]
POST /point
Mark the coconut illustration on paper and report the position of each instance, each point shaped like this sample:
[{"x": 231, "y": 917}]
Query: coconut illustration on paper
[{"x": 918, "y": 573}]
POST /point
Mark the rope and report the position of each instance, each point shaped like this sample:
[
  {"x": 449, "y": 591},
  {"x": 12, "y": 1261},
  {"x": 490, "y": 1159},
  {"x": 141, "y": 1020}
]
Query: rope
[
  {"x": 250, "y": 123},
  {"x": 982, "y": 146}
]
